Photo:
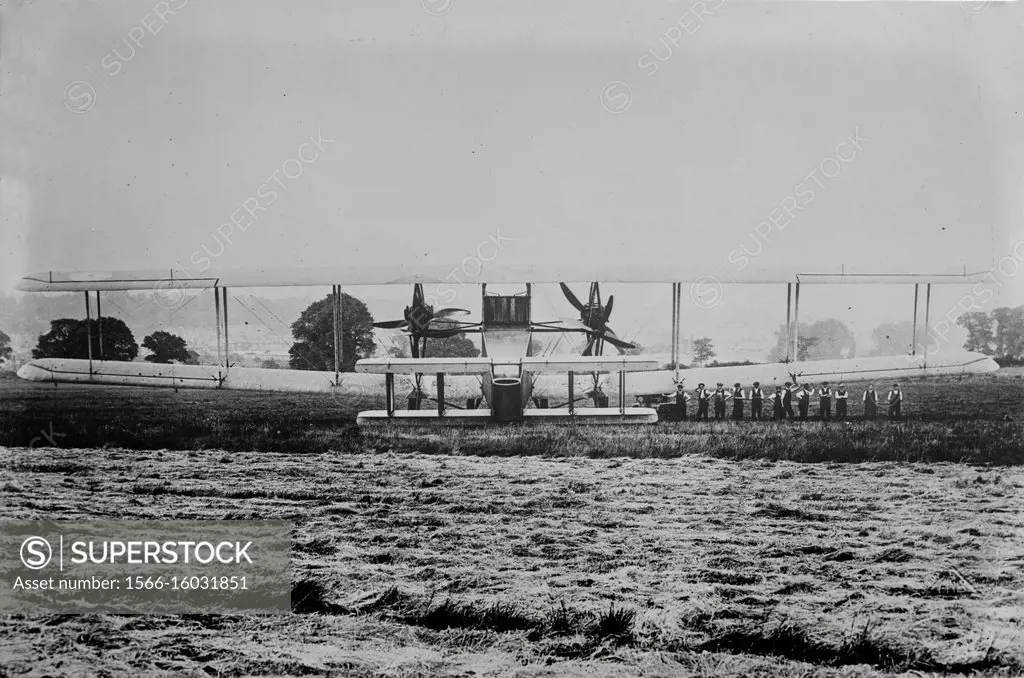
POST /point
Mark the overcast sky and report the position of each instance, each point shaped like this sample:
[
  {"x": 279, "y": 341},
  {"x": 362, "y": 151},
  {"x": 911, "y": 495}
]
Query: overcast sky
[{"x": 580, "y": 132}]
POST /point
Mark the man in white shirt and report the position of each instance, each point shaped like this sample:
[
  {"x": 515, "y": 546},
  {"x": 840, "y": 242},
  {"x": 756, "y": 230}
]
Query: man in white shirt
[
  {"x": 682, "y": 397},
  {"x": 756, "y": 401},
  {"x": 870, "y": 402},
  {"x": 895, "y": 401},
  {"x": 737, "y": 401},
  {"x": 702, "y": 402},
  {"x": 841, "y": 398},
  {"x": 803, "y": 400},
  {"x": 825, "y": 402},
  {"x": 787, "y": 399}
]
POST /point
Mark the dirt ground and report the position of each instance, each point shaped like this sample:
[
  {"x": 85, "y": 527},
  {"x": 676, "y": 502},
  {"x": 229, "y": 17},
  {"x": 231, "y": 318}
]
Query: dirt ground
[{"x": 414, "y": 564}]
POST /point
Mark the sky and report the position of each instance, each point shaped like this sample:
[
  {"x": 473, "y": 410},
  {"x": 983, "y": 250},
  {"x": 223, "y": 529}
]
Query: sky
[{"x": 875, "y": 136}]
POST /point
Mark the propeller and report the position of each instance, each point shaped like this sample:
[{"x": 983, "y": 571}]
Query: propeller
[
  {"x": 422, "y": 322},
  {"x": 594, "y": 320}
]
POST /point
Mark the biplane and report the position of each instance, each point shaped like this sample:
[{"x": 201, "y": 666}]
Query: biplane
[{"x": 506, "y": 383}]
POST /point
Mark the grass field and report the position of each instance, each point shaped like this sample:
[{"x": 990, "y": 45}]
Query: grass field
[
  {"x": 680, "y": 549},
  {"x": 976, "y": 419}
]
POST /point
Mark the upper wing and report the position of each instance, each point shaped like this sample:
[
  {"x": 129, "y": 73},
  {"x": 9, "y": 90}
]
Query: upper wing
[{"x": 178, "y": 278}]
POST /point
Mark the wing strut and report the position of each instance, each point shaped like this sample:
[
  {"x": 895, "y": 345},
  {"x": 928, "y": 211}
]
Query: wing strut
[
  {"x": 572, "y": 396},
  {"x": 389, "y": 393},
  {"x": 796, "y": 323},
  {"x": 99, "y": 322},
  {"x": 675, "y": 327},
  {"x": 88, "y": 331},
  {"x": 927, "y": 309},
  {"x": 440, "y": 394},
  {"x": 677, "y": 295},
  {"x": 789, "y": 318},
  {"x": 913, "y": 346},
  {"x": 227, "y": 346},
  {"x": 338, "y": 349},
  {"x": 216, "y": 305}
]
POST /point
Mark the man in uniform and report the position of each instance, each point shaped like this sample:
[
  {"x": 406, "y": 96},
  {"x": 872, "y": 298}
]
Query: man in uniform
[
  {"x": 702, "y": 402},
  {"x": 895, "y": 400},
  {"x": 870, "y": 402},
  {"x": 803, "y": 401},
  {"x": 841, "y": 397},
  {"x": 756, "y": 398},
  {"x": 720, "y": 397},
  {"x": 787, "y": 399},
  {"x": 737, "y": 401},
  {"x": 825, "y": 402}
]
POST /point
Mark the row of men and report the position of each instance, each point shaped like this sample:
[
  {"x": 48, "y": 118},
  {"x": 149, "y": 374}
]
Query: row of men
[{"x": 782, "y": 401}]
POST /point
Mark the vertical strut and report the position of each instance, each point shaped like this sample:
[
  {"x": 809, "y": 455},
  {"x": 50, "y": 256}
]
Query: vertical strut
[
  {"x": 88, "y": 331},
  {"x": 341, "y": 332},
  {"x": 336, "y": 313},
  {"x": 99, "y": 322},
  {"x": 789, "y": 318},
  {"x": 483, "y": 319},
  {"x": 440, "y": 394},
  {"x": 927, "y": 311},
  {"x": 529, "y": 319},
  {"x": 675, "y": 329},
  {"x": 913, "y": 349},
  {"x": 216, "y": 304},
  {"x": 679, "y": 323},
  {"x": 796, "y": 323},
  {"x": 622, "y": 392},
  {"x": 389, "y": 393},
  {"x": 572, "y": 395},
  {"x": 227, "y": 346}
]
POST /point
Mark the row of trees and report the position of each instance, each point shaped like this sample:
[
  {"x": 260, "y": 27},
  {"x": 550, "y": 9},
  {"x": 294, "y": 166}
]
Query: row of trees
[
  {"x": 313, "y": 333},
  {"x": 999, "y": 333},
  {"x": 69, "y": 338}
]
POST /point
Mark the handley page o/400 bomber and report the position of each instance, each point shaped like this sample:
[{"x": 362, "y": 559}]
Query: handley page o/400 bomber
[{"x": 506, "y": 384}]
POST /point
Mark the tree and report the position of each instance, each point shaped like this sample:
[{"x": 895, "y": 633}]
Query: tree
[
  {"x": 166, "y": 347},
  {"x": 804, "y": 347},
  {"x": 5, "y": 347},
  {"x": 703, "y": 350},
  {"x": 978, "y": 326},
  {"x": 458, "y": 346},
  {"x": 1009, "y": 334},
  {"x": 314, "y": 335},
  {"x": 835, "y": 340},
  {"x": 67, "y": 339},
  {"x": 270, "y": 364},
  {"x": 893, "y": 338}
]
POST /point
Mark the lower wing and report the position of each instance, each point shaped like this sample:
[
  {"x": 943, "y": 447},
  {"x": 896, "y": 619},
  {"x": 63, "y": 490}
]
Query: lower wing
[{"x": 554, "y": 386}]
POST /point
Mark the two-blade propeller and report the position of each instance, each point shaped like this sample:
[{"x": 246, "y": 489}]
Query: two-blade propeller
[{"x": 594, "y": 317}]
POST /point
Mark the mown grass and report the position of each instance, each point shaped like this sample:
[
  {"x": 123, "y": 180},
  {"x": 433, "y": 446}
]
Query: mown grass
[
  {"x": 415, "y": 564},
  {"x": 979, "y": 442},
  {"x": 778, "y": 637}
]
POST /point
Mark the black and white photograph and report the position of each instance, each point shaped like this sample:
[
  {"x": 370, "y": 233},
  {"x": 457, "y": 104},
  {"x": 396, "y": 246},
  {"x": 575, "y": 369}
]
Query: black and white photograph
[{"x": 569, "y": 338}]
